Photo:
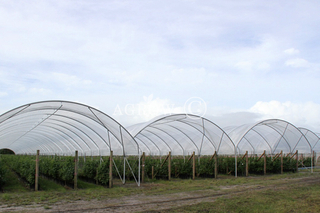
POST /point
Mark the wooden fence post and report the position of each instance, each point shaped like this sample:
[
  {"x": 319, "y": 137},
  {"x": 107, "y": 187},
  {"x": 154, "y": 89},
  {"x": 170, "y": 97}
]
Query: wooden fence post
[
  {"x": 313, "y": 159},
  {"x": 265, "y": 162},
  {"x": 169, "y": 166},
  {"x": 194, "y": 166},
  {"x": 36, "y": 187},
  {"x": 75, "y": 180},
  {"x": 247, "y": 164},
  {"x": 215, "y": 164},
  {"x": 281, "y": 162},
  {"x": 297, "y": 159},
  {"x": 110, "y": 169},
  {"x": 143, "y": 165}
]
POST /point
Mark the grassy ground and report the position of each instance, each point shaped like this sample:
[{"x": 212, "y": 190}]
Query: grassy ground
[
  {"x": 285, "y": 199},
  {"x": 278, "y": 196},
  {"x": 13, "y": 184},
  {"x": 278, "y": 193}
]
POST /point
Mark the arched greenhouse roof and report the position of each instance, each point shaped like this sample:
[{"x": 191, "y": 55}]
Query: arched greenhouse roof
[
  {"x": 61, "y": 127},
  {"x": 271, "y": 135},
  {"x": 312, "y": 137},
  {"x": 181, "y": 134}
]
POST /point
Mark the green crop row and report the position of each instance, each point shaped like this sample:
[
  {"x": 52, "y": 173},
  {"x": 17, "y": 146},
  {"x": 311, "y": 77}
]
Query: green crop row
[
  {"x": 60, "y": 169},
  {"x": 24, "y": 166},
  {"x": 3, "y": 171},
  {"x": 205, "y": 166},
  {"x": 95, "y": 170}
]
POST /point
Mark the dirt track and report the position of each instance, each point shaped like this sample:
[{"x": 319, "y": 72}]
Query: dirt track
[{"x": 143, "y": 202}]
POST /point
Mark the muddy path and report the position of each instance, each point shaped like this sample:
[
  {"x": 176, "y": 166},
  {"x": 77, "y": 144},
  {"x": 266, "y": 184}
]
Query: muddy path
[{"x": 154, "y": 203}]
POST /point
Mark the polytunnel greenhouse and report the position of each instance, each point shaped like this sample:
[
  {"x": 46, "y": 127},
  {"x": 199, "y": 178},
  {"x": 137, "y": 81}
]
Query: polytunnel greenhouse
[
  {"x": 181, "y": 134},
  {"x": 313, "y": 139},
  {"x": 61, "y": 127},
  {"x": 64, "y": 128},
  {"x": 272, "y": 136}
]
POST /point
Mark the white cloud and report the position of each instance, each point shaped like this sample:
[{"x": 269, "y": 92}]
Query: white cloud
[
  {"x": 253, "y": 66},
  {"x": 187, "y": 76},
  {"x": 297, "y": 63},
  {"x": 235, "y": 118},
  {"x": 244, "y": 65},
  {"x": 69, "y": 80},
  {"x": 227, "y": 52},
  {"x": 291, "y": 51},
  {"x": 125, "y": 77},
  {"x": 258, "y": 58},
  {"x": 2, "y": 94},
  {"x": 39, "y": 91},
  {"x": 145, "y": 110}
]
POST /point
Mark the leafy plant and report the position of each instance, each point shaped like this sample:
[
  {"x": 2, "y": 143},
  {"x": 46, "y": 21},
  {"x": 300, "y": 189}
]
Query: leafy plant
[
  {"x": 58, "y": 168},
  {"x": 103, "y": 173},
  {"x": 66, "y": 169},
  {"x": 3, "y": 171},
  {"x": 89, "y": 169},
  {"x": 23, "y": 165}
]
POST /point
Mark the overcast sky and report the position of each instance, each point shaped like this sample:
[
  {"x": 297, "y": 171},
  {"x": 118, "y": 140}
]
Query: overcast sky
[{"x": 237, "y": 61}]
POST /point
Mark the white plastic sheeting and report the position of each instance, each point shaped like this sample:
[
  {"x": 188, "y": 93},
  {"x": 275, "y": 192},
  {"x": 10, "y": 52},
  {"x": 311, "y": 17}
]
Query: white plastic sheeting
[
  {"x": 181, "y": 134},
  {"x": 271, "y": 135},
  {"x": 61, "y": 127},
  {"x": 312, "y": 137}
]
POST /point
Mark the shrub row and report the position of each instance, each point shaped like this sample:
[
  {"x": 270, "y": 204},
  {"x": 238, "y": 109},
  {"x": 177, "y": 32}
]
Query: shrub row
[
  {"x": 57, "y": 168},
  {"x": 24, "y": 166},
  {"x": 205, "y": 167},
  {"x": 3, "y": 171},
  {"x": 95, "y": 170}
]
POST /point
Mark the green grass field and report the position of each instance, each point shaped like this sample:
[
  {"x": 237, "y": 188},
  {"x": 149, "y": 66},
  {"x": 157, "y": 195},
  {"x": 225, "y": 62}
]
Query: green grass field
[
  {"x": 290, "y": 192},
  {"x": 286, "y": 199}
]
